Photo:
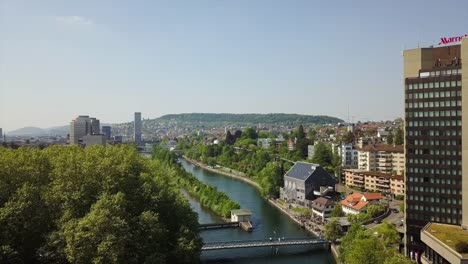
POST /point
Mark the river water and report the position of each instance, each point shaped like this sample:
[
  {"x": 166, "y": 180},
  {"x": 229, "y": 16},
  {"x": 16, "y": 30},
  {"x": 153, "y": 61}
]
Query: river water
[{"x": 268, "y": 222}]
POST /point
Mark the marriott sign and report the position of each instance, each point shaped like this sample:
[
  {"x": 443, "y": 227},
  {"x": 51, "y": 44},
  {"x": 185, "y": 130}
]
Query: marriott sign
[{"x": 452, "y": 39}]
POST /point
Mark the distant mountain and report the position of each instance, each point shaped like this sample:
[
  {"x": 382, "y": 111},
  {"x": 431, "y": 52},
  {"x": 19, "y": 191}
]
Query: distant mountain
[
  {"x": 274, "y": 118},
  {"x": 36, "y": 131},
  {"x": 27, "y": 131},
  {"x": 193, "y": 121}
]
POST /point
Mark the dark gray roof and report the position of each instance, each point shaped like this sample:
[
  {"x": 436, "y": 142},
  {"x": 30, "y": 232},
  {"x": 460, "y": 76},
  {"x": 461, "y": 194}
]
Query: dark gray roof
[
  {"x": 302, "y": 170},
  {"x": 321, "y": 202}
]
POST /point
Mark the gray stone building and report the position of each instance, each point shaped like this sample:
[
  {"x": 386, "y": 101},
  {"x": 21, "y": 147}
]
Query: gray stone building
[{"x": 305, "y": 182}]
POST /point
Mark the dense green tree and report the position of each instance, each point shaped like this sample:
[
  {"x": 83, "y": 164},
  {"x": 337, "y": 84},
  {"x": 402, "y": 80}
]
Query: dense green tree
[
  {"x": 388, "y": 233},
  {"x": 300, "y": 132},
  {"x": 230, "y": 139},
  {"x": 390, "y": 138},
  {"x": 337, "y": 211},
  {"x": 271, "y": 179},
  {"x": 93, "y": 205},
  {"x": 348, "y": 138},
  {"x": 396, "y": 258},
  {"x": 322, "y": 155},
  {"x": 361, "y": 246},
  {"x": 333, "y": 230},
  {"x": 312, "y": 135},
  {"x": 399, "y": 137},
  {"x": 375, "y": 209},
  {"x": 250, "y": 133}
]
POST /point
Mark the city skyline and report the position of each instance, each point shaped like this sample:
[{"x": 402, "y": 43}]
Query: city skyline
[{"x": 210, "y": 56}]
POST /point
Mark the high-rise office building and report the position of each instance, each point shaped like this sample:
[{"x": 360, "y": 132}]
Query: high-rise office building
[
  {"x": 95, "y": 126},
  {"x": 1, "y": 135},
  {"x": 137, "y": 128},
  {"x": 107, "y": 131},
  {"x": 436, "y": 146},
  {"x": 82, "y": 126}
]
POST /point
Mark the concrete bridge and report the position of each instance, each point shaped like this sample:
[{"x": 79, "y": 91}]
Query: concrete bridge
[{"x": 315, "y": 242}]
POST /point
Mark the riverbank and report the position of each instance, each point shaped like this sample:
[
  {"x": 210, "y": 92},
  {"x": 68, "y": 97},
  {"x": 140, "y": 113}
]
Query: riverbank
[
  {"x": 294, "y": 218},
  {"x": 285, "y": 211},
  {"x": 224, "y": 171}
]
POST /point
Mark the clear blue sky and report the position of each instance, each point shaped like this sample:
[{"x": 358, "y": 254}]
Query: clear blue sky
[{"x": 108, "y": 59}]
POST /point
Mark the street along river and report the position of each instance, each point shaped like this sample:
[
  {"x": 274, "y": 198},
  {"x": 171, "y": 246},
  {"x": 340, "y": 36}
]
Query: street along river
[{"x": 268, "y": 222}]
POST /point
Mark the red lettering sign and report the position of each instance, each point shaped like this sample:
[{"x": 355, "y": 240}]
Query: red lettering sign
[{"x": 452, "y": 39}]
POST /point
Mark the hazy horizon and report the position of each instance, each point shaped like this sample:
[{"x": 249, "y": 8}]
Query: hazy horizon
[{"x": 109, "y": 60}]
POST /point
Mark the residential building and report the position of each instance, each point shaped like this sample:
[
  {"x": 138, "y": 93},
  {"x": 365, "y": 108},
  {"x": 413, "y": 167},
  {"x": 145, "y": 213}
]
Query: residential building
[
  {"x": 310, "y": 151},
  {"x": 349, "y": 156},
  {"x": 82, "y": 126},
  {"x": 264, "y": 142},
  {"x": 291, "y": 144},
  {"x": 278, "y": 141},
  {"x": 383, "y": 158},
  {"x": 436, "y": 110},
  {"x": 107, "y": 131},
  {"x": 305, "y": 182},
  {"x": 364, "y": 141},
  {"x": 137, "y": 128},
  {"x": 90, "y": 140},
  {"x": 322, "y": 207},
  {"x": 375, "y": 181},
  {"x": 357, "y": 203},
  {"x": 382, "y": 134}
]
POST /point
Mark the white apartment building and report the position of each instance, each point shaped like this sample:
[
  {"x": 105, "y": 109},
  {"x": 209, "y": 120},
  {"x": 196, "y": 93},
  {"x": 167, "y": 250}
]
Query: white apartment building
[
  {"x": 383, "y": 158},
  {"x": 264, "y": 143},
  {"x": 349, "y": 156}
]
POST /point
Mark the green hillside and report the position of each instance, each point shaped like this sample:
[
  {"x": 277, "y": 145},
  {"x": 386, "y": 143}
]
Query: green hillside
[{"x": 252, "y": 118}]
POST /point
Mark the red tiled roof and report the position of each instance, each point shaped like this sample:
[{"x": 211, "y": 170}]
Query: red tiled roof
[
  {"x": 372, "y": 196},
  {"x": 354, "y": 198},
  {"x": 358, "y": 206}
]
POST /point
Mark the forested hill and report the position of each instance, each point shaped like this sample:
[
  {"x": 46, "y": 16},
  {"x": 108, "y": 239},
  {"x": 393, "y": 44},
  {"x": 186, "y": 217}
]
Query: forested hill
[{"x": 274, "y": 118}]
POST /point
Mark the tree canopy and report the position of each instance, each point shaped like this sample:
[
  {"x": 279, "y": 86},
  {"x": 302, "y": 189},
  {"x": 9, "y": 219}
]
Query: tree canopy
[{"x": 93, "y": 205}]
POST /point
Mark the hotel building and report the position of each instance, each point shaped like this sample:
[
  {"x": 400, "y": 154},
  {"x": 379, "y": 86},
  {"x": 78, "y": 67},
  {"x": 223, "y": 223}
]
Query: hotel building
[{"x": 436, "y": 146}]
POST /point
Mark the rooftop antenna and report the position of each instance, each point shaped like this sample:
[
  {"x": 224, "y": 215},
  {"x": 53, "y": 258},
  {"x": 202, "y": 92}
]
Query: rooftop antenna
[
  {"x": 348, "y": 114},
  {"x": 419, "y": 38}
]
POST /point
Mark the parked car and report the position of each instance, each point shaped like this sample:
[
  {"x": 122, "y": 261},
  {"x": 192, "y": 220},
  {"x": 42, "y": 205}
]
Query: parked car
[
  {"x": 394, "y": 210},
  {"x": 377, "y": 221}
]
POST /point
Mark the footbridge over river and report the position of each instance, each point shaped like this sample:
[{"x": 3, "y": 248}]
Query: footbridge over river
[{"x": 316, "y": 243}]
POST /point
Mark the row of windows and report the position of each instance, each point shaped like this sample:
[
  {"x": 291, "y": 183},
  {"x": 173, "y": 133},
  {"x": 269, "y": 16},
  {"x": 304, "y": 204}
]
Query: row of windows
[
  {"x": 441, "y": 73},
  {"x": 435, "y": 161},
  {"x": 433, "y": 180},
  {"x": 450, "y": 152},
  {"x": 435, "y": 190},
  {"x": 433, "y": 171},
  {"x": 448, "y": 103},
  {"x": 427, "y": 142},
  {"x": 433, "y": 199},
  {"x": 434, "y": 123},
  {"x": 428, "y": 95},
  {"x": 435, "y": 209},
  {"x": 434, "y": 132},
  {"x": 428, "y": 85},
  {"x": 435, "y": 218},
  {"x": 435, "y": 113}
]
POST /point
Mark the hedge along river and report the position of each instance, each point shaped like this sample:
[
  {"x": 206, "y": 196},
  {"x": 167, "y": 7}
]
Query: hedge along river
[{"x": 268, "y": 222}]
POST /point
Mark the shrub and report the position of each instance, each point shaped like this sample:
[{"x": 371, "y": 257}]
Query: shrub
[{"x": 461, "y": 247}]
